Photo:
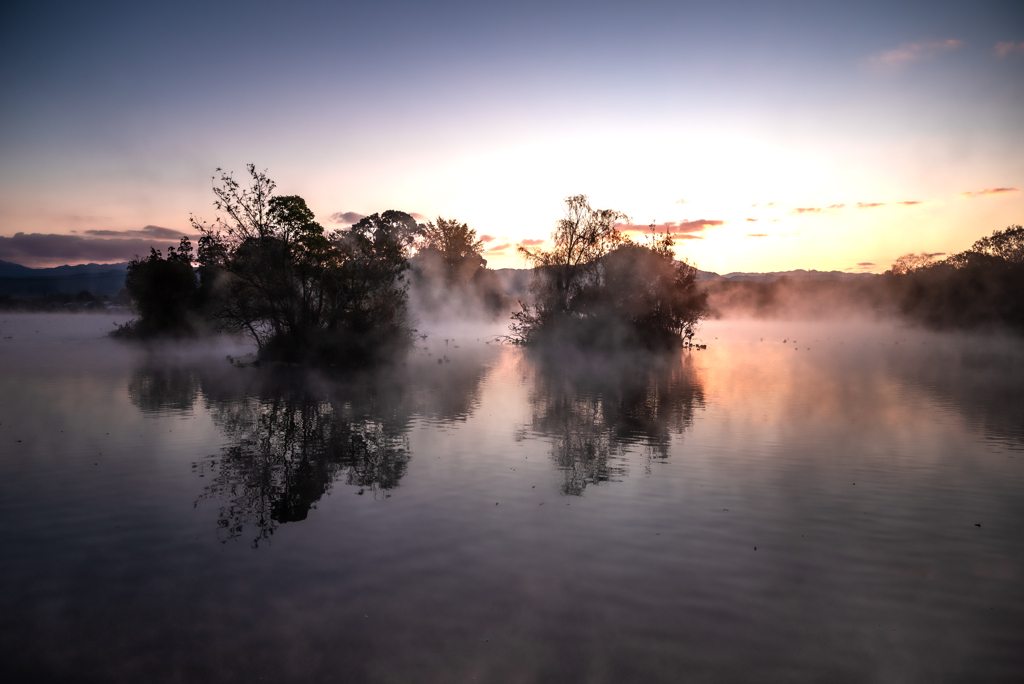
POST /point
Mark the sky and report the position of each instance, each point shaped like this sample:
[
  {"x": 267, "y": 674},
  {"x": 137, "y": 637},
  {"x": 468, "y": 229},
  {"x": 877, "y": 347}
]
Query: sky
[{"x": 766, "y": 136}]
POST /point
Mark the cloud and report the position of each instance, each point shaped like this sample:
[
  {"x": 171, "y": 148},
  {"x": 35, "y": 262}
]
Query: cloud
[
  {"x": 499, "y": 248},
  {"x": 750, "y": 220},
  {"x": 817, "y": 210},
  {"x": 49, "y": 249},
  {"x": 155, "y": 232},
  {"x": 487, "y": 238},
  {"x": 766, "y": 204},
  {"x": 865, "y": 264},
  {"x": 988, "y": 191},
  {"x": 530, "y": 242},
  {"x": 684, "y": 230},
  {"x": 912, "y": 52},
  {"x": 872, "y": 205},
  {"x": 348, "y": 218},
  {"x": 682, "y": 201},
  {"x": 1008, "y": 48},
  {"x": 758, "y": 235}
]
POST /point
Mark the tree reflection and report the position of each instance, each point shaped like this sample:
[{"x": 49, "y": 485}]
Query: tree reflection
[
  {"x": 286, "y": 450},
  {"x": 291, "y": 436},
  {"x": 159, "y": 388},
  {"x": 595, "y": 410}
]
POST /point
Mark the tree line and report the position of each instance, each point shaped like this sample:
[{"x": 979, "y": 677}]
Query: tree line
[{"x": 982, "y": 287}]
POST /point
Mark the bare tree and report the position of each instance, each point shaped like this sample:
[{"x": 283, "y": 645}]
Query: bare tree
[{"x": 579, "y": 241}]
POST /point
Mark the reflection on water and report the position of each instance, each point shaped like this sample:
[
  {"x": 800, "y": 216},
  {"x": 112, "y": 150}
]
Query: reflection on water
[
  {"x": 290, "y": 435},
  {"x": 163, "y": 388},
  {"x": 798, "y": 502},
  {"x": 595, "y": 412},
  {"x": 287, "y": 448}
]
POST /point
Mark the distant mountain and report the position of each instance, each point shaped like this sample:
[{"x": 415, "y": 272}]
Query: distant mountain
[
  {"x": 99, "y": 279},
  {"x": 9, "y": 270},
  {"x": 798, "y": 274}
]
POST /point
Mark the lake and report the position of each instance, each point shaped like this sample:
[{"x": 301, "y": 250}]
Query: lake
[{"x": 801, "y": 501}]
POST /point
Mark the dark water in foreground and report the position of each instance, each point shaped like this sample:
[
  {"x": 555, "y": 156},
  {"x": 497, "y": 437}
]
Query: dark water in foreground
[{"x": 165, "y": 516}]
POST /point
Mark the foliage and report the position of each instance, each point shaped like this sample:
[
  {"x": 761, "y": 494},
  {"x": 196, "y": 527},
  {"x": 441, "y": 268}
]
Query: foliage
[
  {"x": 908, "y": 263},
  {"x": 450, "y": 274},
  {"x": 457, "y": 246},
  {"x": 164, "y": 292},
  {"x": 300, "y": 293},
  {"x": 597, "y": 287},
  {"x": 980, "y": 287},
  {"x": 580, "y": 240}
]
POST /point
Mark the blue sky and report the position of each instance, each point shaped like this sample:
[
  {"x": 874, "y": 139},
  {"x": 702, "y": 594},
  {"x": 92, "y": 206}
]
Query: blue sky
[{"x": 116, "y": 115}]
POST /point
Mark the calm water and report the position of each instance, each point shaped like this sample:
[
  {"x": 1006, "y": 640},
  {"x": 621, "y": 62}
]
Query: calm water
[{"x": 848, "y": 506}]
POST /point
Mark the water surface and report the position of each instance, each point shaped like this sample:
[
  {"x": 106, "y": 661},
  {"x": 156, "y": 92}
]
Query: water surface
[{"x": 799, "y": 502}]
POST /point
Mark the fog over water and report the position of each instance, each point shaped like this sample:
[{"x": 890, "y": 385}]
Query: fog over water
[{"x": 801, "y": 501}]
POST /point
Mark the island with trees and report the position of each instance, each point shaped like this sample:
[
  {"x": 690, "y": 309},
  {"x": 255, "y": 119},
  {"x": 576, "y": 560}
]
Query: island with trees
[
  {"x": 596, "y": 287},
  {"x": 265, "y": 268}
]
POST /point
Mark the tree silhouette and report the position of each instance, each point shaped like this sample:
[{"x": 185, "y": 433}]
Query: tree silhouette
[
  {"x": 164, "y": 292},
  {"x": 597, "y": 287},
  {"x": 300, "y": 293}
]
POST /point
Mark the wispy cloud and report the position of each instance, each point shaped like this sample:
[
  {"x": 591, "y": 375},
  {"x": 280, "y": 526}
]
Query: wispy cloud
[
  {"x": 487, "y": 238},
  {"x": 912, "y": 52},
  {"x": 1008, "y": 48},
  {"x": 817, "y": 210},
  {"x": 872, "y": 205},
  {"x": 499, "y": 248},
  {"x": 865, "y": 264},
  {"x": 758, "y": 235},
  {"x": 988, "y": 191},
  {"x": 766, "y": 204},
  {"x": 682, "y": 201},
  {"x": 530, "y": 242},
  {"x": 683, "y": 230},
  {"x": 751, "y": 220}
]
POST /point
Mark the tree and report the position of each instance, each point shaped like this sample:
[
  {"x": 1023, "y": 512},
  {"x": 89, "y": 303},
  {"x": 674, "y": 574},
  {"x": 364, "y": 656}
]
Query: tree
[
  {"x": 1007, "y": 244},
  {"x": 595, "y": 286},
  {"x": 657, "y": 295},
  {"x": 980, "y": 287},
  {"x": 908, "y": 263},
  {"x": 300, "y": 293},
  {"x": 579, "y": 241},
  {"x": 164, "y": 292},
  {"x": 457, "y": 246}
]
